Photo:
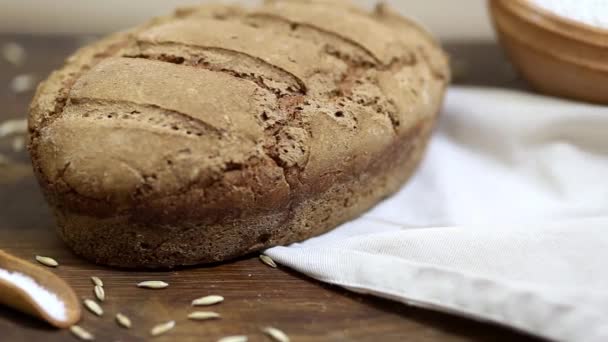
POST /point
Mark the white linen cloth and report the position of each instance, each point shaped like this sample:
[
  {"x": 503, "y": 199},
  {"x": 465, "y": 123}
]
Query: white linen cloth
[{"x": 520, "y": 181}]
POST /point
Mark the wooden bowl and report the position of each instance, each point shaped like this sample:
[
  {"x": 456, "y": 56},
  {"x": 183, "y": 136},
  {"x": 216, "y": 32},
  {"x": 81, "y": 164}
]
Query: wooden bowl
[{"x": 556, "y": 55}]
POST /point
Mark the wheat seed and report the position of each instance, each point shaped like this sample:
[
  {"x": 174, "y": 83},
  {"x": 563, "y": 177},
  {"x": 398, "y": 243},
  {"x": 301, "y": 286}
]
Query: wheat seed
[
  {"x": 208, "y": 300},
  {"x": 97, "y": 281},
  {"x": 123, "y": 320},
  {"x": 23, "y": 83},
  {"x": 162, "y": 328},
  {"x": 93, "y": 307},
  {"x": 268, "y": 260},
  {"x": 46, "y": 261},
  {"x": 100, "y": 293},
  {"x": 18, "y": 144},
  {"x": 203, "y": 315},
  {"x": 13, "y": 127},
  {"x": 276, "y": 334},
  {"x": 239, "y": 338},
  {"x": 153, "y": 284},
  {"x": 81, "y": 333},
  {"x": 14, "y": 53}
]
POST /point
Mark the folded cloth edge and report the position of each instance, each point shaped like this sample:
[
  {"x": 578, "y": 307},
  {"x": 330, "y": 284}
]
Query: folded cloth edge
[{"x": 446, "y": 290}]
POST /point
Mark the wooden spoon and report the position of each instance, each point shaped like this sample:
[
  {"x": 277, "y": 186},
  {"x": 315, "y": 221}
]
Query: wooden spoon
[{"x": 16, "y": 298}]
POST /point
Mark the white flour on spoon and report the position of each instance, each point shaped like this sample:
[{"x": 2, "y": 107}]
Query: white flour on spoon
[{"x": 47, "y": 300}]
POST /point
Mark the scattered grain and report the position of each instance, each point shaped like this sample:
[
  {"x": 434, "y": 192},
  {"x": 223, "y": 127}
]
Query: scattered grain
[
  {"x": 203, "y": 315},
  {"x": 162, "y": 328},
  {"x": 13, "y": 127},
  {"x": 82, "y": 334},
  {"x": 18, "y": 144},
  {"x": 92, "y": 306},
  {"x": 123, "y": 320},
  {"x": 100, "y": 293},
  {"x": 208, "y": 300},
  {"x": 46, "y": 261},
  {"x": 268, "y": 260},
  {"x": 153, "y": 284},
  {"x": 276, "y": 334},
  {"x": 23, "y": 83},
  {"x": 97, "y": 281},
  {"x": 14, "y": 53}
]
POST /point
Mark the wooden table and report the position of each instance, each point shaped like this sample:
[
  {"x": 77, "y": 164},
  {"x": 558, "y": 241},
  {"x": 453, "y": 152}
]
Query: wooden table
[{"x": 256, "y": 295}]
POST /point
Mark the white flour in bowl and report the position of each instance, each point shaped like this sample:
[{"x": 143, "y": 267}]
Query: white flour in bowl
[
  {"x": 590, "y": 12},
  {"x": 47, "y": 300}
]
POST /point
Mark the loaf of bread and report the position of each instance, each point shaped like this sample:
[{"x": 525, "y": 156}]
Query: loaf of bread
[{"x": 221, "y": 131}]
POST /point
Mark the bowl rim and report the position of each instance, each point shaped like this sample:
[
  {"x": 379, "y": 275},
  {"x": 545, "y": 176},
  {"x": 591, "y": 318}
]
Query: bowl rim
[
  {"x": 564, "y": 26},
  {"x": 593, "y": 67},
  {"x": 498, "y": 6}
]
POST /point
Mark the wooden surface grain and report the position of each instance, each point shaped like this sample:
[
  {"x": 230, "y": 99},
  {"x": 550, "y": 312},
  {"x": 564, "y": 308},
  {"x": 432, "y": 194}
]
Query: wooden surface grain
[{"x": 256, "y": 295}]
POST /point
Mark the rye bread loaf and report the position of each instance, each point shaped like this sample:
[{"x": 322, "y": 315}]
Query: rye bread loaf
[{"x": 220, "y": 131}]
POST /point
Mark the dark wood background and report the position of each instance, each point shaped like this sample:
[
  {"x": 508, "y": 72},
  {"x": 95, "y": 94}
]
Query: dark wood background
[{"x": 256, "y": 295}]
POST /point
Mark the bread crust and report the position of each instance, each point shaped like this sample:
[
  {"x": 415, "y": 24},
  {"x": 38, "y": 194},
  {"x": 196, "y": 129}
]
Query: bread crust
[{"x": 219, "y": 131}]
